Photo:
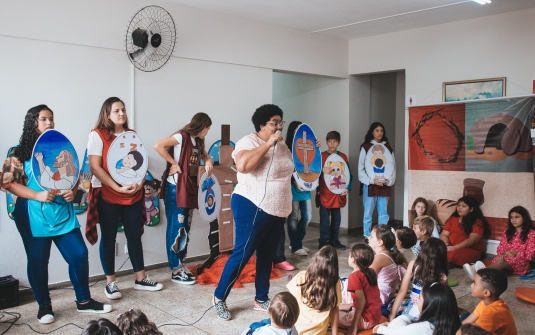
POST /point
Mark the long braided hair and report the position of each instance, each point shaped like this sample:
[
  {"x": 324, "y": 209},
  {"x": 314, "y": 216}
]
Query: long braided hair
[{"x": 30, "y": 134}]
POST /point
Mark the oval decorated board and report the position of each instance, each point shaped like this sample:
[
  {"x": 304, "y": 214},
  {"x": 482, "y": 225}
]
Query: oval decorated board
[
  {"x": 127, "y": 159},
  {"x": 55, "y": 162},
  {"x": 209, "y": 198},
  {"x": 338, "y": 176},
  {"x": 307, "y": 158},
  {"x": 11, "y": 199}
]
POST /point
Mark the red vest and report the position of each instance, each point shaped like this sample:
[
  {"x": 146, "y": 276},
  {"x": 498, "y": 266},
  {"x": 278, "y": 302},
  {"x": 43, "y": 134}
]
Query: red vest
[{"x": 108, "y": 194}]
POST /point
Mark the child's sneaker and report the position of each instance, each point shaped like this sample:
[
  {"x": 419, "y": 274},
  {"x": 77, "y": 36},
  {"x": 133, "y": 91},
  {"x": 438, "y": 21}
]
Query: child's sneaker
[
  {"x": 261, "y": 305},
  {"x": 112, "y": 291},
  {"x": 182, "y": 277},
  {"x": 188, "y": 273},
  {"x": 93, "y": 306},
  {"x": 470, "y": 271},
  {"x": 147, "y": 285},
  {"x": 45, "y": 314},
  {"x": 221, "y": 310},
  {"x": 479, "y": 265}
]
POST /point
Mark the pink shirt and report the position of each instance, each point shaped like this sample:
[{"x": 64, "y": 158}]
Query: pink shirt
[
  {"x": 272, "y": 193},
  {"x": 526, "y": 251}
]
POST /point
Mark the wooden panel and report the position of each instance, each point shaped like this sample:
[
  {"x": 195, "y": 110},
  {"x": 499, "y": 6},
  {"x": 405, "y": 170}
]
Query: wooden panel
[
  {"x": 224, "y": 174},
  {"x": 226, "y": 220},
  {"x": 225, "y": 134},
  {"x": 225, "y": 155}
]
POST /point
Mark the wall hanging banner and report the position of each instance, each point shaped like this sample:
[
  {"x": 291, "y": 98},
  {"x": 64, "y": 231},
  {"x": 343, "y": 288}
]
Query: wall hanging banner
[
  {"x": 476, "y": 148},
  {"x": 55, "y": 162},
  {"x": 127, "y": 159},
  {"x": 307, "y": 158},
  {"x": 209, "y": 198}
]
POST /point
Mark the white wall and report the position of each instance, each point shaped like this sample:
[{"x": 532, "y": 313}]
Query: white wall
[
  {"x": 493, "y": 46},
  {"x": 69, "y": 55},
  {"x": 323, "y": 104}
]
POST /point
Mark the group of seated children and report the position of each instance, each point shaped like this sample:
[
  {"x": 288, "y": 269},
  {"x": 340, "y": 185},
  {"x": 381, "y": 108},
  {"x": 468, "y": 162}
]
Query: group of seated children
[
  {"x": 418, "y": 264},
  {"x": 132, "y": 322}
]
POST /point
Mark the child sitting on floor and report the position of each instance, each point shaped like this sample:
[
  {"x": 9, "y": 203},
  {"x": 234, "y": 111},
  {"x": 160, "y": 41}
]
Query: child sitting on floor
[
  {"x": 419, "y": 208},
  {"x": 283, "y": 312},
  {"x": 135, "y": 322},
  {"x": 516, "y": 248},
  {"x": 492, "y": 313},
  {"x": 406, "y": 239},
  {"x": 423, "y": 228},
  {"x": 102, "y": 326}
]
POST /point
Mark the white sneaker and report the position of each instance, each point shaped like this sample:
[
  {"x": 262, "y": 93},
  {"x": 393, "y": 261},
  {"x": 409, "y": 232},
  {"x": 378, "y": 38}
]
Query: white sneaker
[
  {"x": 147, "y": 285},
  {"x": 301, "y": 252},
  {"x": 469, "y": 269},
  {"x": 303, "y": 247},
  {"x": 112, "y": 291},
  {"x": 479, "y": 265}
]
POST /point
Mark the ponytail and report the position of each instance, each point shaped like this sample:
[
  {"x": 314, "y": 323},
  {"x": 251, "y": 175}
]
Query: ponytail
[
  {"x": 363, "y": 256},
  {"x": 388, "y": 236}
]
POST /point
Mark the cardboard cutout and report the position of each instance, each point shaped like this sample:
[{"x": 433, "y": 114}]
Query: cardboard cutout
[
  {"x": 214, "y": 150},
  {"x": 54, "y": 162},
  {"x": 127, "y": 159},
  {"x": 209, "y": 198},
  {"x": 307, "y": 158},
  {"x": 338, "y": 177},
  {"x": 11, "y": 199},
  {"x": 80, "y": 199},
  {"x": 151, "y": 200}
]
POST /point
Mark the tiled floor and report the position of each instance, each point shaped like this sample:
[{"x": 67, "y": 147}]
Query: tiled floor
[{"x": 179, "y": 305}]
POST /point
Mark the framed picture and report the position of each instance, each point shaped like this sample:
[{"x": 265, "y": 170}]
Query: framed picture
[{"x": 473, "y": 89}]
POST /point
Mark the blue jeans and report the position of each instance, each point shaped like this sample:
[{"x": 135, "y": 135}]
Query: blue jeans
[
  {"x": 369, "y": 205},
  {"x": 71, "y": 246},
  {"x": 298, "y": 229},
  {"x": 109, "y": 215},
  {"x": 329, "y": 230},
  {"x": 255, "y": 231},
  {"x": 178, "y": 226}
]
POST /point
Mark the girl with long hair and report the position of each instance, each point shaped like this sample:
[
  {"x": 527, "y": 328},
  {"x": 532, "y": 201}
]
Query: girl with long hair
[
  {"x": 182, "y": 151},
  {"x": 430, "y": 266},
  {"x": 363, "y": 309},
  {"x": 43, "y": 217},
  {"x": 318, "y": 293},
  {"x": 464, "y": 231},
  {"x": 419, "y": 208},
  {"x": 389, "y": 263},
  {"x": 111, "y": 202},
  {"x": 516, "y": 248},
  {"x": 438, "y": 314},
  {"x": 377, "y": 174}
]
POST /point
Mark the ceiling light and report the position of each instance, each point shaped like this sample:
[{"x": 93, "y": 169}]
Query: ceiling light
[{"x": 482, "y": 2}]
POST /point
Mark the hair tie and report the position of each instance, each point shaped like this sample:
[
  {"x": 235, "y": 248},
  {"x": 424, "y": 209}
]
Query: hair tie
[
  {"x": 392, "y": 249},
  {"x": 433, "y": 284},
  {"x": 394, "y": 232}
]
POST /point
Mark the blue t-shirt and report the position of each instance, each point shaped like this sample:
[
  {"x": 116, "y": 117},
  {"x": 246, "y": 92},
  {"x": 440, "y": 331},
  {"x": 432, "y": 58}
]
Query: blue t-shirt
[
  {"x": 49, "y": 218},
  {"x": 298, "y": 195}
]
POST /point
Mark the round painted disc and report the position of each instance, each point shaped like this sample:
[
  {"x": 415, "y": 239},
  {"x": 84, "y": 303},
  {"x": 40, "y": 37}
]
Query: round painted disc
[
  {"x": 127, "y": 159},
  {"x": 214, "y": 150},
  {"x": 307, "y": 158},
  {"x": 151, "y": 200},
  {"x": 209, "y": 198},
  {"x": 338, "y": 178},
  {"x": 80, "y": 199},
  {"x": 55, "y": 162},
  {"x": 526, "y": 294}
]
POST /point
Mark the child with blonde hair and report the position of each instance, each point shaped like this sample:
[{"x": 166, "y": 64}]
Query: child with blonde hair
[
  {"x": 318, "y": 293},
  {"x": 423, "y": 228},
  {"x": 419, "y": 208}
]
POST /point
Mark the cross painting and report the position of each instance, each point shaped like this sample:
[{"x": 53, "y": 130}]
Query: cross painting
[{"x": 307, "y": 158}]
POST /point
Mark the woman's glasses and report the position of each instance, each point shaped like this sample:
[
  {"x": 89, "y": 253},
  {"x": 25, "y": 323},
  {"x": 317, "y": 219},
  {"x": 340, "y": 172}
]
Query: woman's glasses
[{"x": 277, "y": 124}]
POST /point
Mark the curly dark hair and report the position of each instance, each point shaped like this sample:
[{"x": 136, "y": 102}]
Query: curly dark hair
[
  {"x": 322, "y": 276},
  {"x": 431, "y": 262},
  {"x": 135, "y": 322},
  {"x": 290, "y": 133},
  {"x": 363, "y": 256},
  {"x": 473, "y": 216},
  {"x": 369, "y": 134},
  {"x": 30, "y": 133},
  {"x": 101, "y": 327},
  {"x": 440, "y": 309},
  {"x": 493, "y": 280},
  {"x": 527, "y": 224},
  {"x": 407, "y": 237},
  {"x": 263, "y": 114},
  {"x": 386, "y": 234}
]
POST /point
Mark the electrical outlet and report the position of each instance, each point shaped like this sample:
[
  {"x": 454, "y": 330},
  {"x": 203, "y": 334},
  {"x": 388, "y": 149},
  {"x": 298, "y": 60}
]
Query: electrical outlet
[
  {"x": 126, "y": 248},
  {"x": 116, "y": 248}
]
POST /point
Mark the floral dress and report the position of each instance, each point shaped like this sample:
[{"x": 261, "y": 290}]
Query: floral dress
[{"x": 526, "y": 251}]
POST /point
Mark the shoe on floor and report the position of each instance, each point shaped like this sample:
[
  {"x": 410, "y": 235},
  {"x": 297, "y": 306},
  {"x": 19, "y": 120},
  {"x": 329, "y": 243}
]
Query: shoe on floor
[
  {"x": 93, "y": 307},
  {"x": 302, "y": 247},
  {"x": 337, "y": 245},
  {"x": 301, "y": 252},
  {"x": 188, "y": 273},
  {"x": 479, "y": 265},
  {"x": 261, "y": 305},
  {"x": 147, "y": 285},
  {"x": 112, "y": 291},
  {"x": 470, "y": 271},
  {"x": 45, "y": 314},
  {"x": 321, "y": 245},
  {"x": 221, "y": 310},
  {"x": 181, "y": 277},
  {"x": 285, "y": 266}
]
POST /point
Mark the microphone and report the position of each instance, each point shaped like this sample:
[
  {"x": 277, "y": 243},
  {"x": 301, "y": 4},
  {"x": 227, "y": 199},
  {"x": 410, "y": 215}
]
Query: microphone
[{"x": 275, "y": 143}]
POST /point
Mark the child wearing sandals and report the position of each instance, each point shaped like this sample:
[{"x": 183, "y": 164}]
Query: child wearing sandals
[
  {"x": 283, "y": 312},
  {"x": 363, "y": 311},
  {"x": 430, "y": 266},
  {"x": 318, "y": 293},
  {"x": 516, "y": 248},
  {"x": 388, "y": 263},
  {"x": 438, "y": 314}
]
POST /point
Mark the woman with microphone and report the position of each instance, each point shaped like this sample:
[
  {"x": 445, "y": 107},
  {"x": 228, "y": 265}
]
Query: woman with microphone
[{"x": 260, "y": 203}]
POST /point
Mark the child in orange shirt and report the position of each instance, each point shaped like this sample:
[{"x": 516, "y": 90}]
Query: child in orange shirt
[{"x": 492, "y": 313}]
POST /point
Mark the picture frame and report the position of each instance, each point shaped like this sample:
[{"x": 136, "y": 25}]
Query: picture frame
[{"x": 473, "y": 89}]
